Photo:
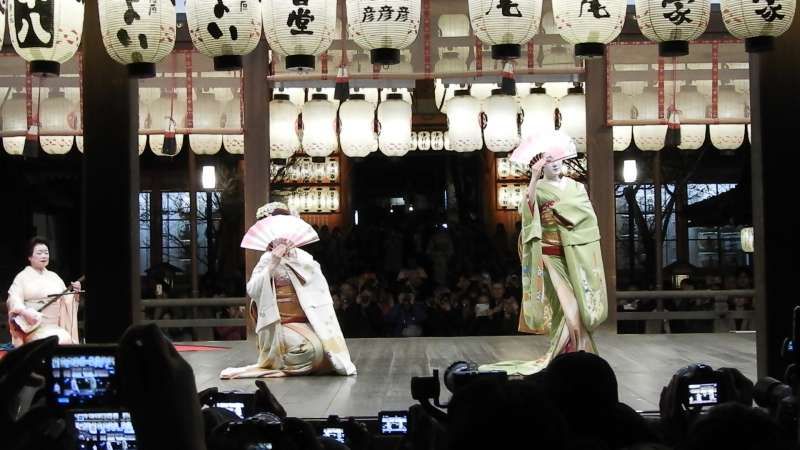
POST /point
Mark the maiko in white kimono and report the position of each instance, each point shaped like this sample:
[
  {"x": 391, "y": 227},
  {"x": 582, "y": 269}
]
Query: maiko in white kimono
[{"x": 298, "y": 333}]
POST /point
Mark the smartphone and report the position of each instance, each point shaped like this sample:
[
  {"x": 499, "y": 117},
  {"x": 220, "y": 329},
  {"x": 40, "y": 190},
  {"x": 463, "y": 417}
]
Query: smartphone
[
  {"x": 111, "y": 429},
  {"x": 83, "y": 377},
  {"x": 334, "y": 433},
  {"x": 239, "y": 403},
  {"x": 703, "y": 394},
  {"x": 259, "y": 446},
  {"x": 393, "y": 422}
]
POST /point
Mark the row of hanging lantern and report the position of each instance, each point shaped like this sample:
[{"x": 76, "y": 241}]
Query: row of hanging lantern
[
  {"x": 731, "y": 105},
  {"x": 140, "y": 34}
]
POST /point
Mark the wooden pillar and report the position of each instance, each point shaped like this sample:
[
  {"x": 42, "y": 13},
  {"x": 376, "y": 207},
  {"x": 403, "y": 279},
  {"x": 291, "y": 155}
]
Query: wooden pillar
[
  {"x": 110, "y": 188},
  {"x": 600, "y": 155},
  {"x": 256, "y": 143},
  {"x": 773, "y": 98}
]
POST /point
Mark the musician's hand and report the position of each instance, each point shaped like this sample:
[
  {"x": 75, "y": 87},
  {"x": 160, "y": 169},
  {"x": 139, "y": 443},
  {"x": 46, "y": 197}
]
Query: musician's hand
[
  {"x": 31, "y": 315},
  {"x": 75, "y": 286}
]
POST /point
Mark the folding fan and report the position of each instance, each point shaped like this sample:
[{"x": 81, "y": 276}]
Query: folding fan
[
  {"x": 557, "y": 144},
  {"x": 289, "y": 230}
]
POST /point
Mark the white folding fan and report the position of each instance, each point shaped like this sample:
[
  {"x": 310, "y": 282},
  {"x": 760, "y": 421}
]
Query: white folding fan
[{"x": 289, "y": 230}]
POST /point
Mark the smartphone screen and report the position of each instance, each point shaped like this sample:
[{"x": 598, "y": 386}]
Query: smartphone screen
[
  {"x": 103, "y": 430},
  {"x": 239, "y": 403},
  {"x": 83, "y": 377},
  {"x": 334, "y": 433},
  {"x": 260, "y": 446},
  {"x": 393, "y": 422},
  {"x": 703, "y": 394}
]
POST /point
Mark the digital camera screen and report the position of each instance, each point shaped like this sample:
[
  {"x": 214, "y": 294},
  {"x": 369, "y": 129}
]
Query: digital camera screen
[
  {"x": 83, "y": 380},
  {"x": 260, "y": 446},
  {"x": 104, "y": 430},
  {"x": 234, "y": 407},
  {"x": 394, "y": 423},
  {"x": 334, "y": 433},
  {"x": 703, "y": 394}
]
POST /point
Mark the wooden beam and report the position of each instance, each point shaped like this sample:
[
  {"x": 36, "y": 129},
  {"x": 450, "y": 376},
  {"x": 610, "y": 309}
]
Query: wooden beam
[
  {"x": 110, "y": 188},
  {"x": 600, "y": 156}
]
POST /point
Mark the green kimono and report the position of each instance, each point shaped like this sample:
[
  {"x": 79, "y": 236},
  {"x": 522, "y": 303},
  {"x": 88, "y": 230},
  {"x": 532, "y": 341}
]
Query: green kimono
[{"x": 555, "y": 286}]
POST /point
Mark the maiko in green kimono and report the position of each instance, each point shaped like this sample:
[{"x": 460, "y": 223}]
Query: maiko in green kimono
[{"x": 563, "y": 284}]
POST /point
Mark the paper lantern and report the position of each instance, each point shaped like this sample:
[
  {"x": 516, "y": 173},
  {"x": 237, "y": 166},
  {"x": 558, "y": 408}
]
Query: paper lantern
[
  {"x": 757, "y": 22},
  {"x": 283, "y": 120},
  {"x": 672, "y": 23},
  {"x": 357, "y": 123},
  {"x": 464, "y": 122},
  {"x": 394, "y": 119},
  {"x": 383, "y": 28},
  {"x": 731, "y": 105},
  {"x": 453, "y": 25},
  {"x": 424, "y": 140},
  {"x": 299, "y": 30},
  {"x": 319, "y": 126},
  {"x": 573, "y": 116},
  {"x": 138, "y": 34},
  {"x": 692, "y": 105},
  {"x": 747, "y": 237},
  {"x": 412, "y": 145},
  {"x": 167, "y": 112},
  {"x": 207, "y": 115},
  {"x": 224, "y": 31},
  {"x": 45, "y": 33},
  {"x": 57, "y": 113},
  {"x": 437, "y": 140},
  {"x": 234, "y": 143},
  {"x": 645, "y": 107},
  {"x": 15, "y": 118},
  {"x": 450, "y": 64},
  {"x": 629, "y": 171},
  {"x": 442, "y": 93},
  {"x": 505, "y": 25},
  {"x": 500, "y": 132},
  {"x": 538, "y": 111},
  {"x": 622, "y": 109},
  {"x": 589, "y": 24}
]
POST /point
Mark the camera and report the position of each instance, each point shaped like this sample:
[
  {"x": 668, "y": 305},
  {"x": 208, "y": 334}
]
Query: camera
[
  {"x": 704, "y": 388},
  {"x": 259, "y": 432},
  {"x": 240, "y": 403},
  {"x": 82, "y": 377},
  {"x": 393, "y": 422},
  {"x": 334, "y": 429}
]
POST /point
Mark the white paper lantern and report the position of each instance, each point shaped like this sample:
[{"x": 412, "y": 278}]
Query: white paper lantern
[
  {"x": 424, "y": 140},
  {"x": 437, "y": 140},
  {"x": 357, "y": 123},
  {"x": 412, "y": 145},
  {"x": 45, "y": 33},
  {"x": 394, "y": 119},
  {"x": 464, "y": 122},
  {"x": 15, "y": 118},
  {"x": 450, "y": 64},
  {"x": 57, "y": 113},
  {"x": 757, "y": 22},
  {"x": 482, "y": 91},
  {"x": 383, "y": 27},
  {"x": 731, "y": 105},
  {"x": 673, "y": 23},
  {"x": 319, "y": 126},
  {"x": 207, "y": 115},
  {"x": 692, "y": 105},
  {"x": 223, "y": 31},
  {"x": 166, "y": 106},
  {"x": 505, "y": 25},
  {"x": 299, "y": 30},
  {"x": 648, "y": 137},
  {"x": 453, "y": 25},
  {"x": 138, "y": 34},
  {"x": 145, "y": 122},
  {"x": 283, "y": 120},
  {"x": 573, "y": 116},
  {"x": 234, "y": 143},
  {"x": 538, "y": 111},
  {"x": 501, "y": 132},
  {"x": 622, "y": 110},
  {"x": 746, "y": 236},
  {"x": 589, "y": 25}
]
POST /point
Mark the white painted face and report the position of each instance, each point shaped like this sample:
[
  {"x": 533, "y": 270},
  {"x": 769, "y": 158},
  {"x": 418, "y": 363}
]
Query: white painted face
[{"x": 552, "y": 170}]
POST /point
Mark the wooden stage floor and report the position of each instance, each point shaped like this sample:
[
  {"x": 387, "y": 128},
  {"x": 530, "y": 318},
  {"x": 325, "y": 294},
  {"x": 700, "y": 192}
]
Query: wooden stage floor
[{"x": 643, "y": 364}]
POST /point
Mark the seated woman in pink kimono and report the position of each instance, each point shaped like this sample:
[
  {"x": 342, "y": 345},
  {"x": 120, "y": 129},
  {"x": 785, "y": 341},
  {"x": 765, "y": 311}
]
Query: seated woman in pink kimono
[
  {"x": 298, "y": 333},
  {"x": 32, "y": 288}
]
